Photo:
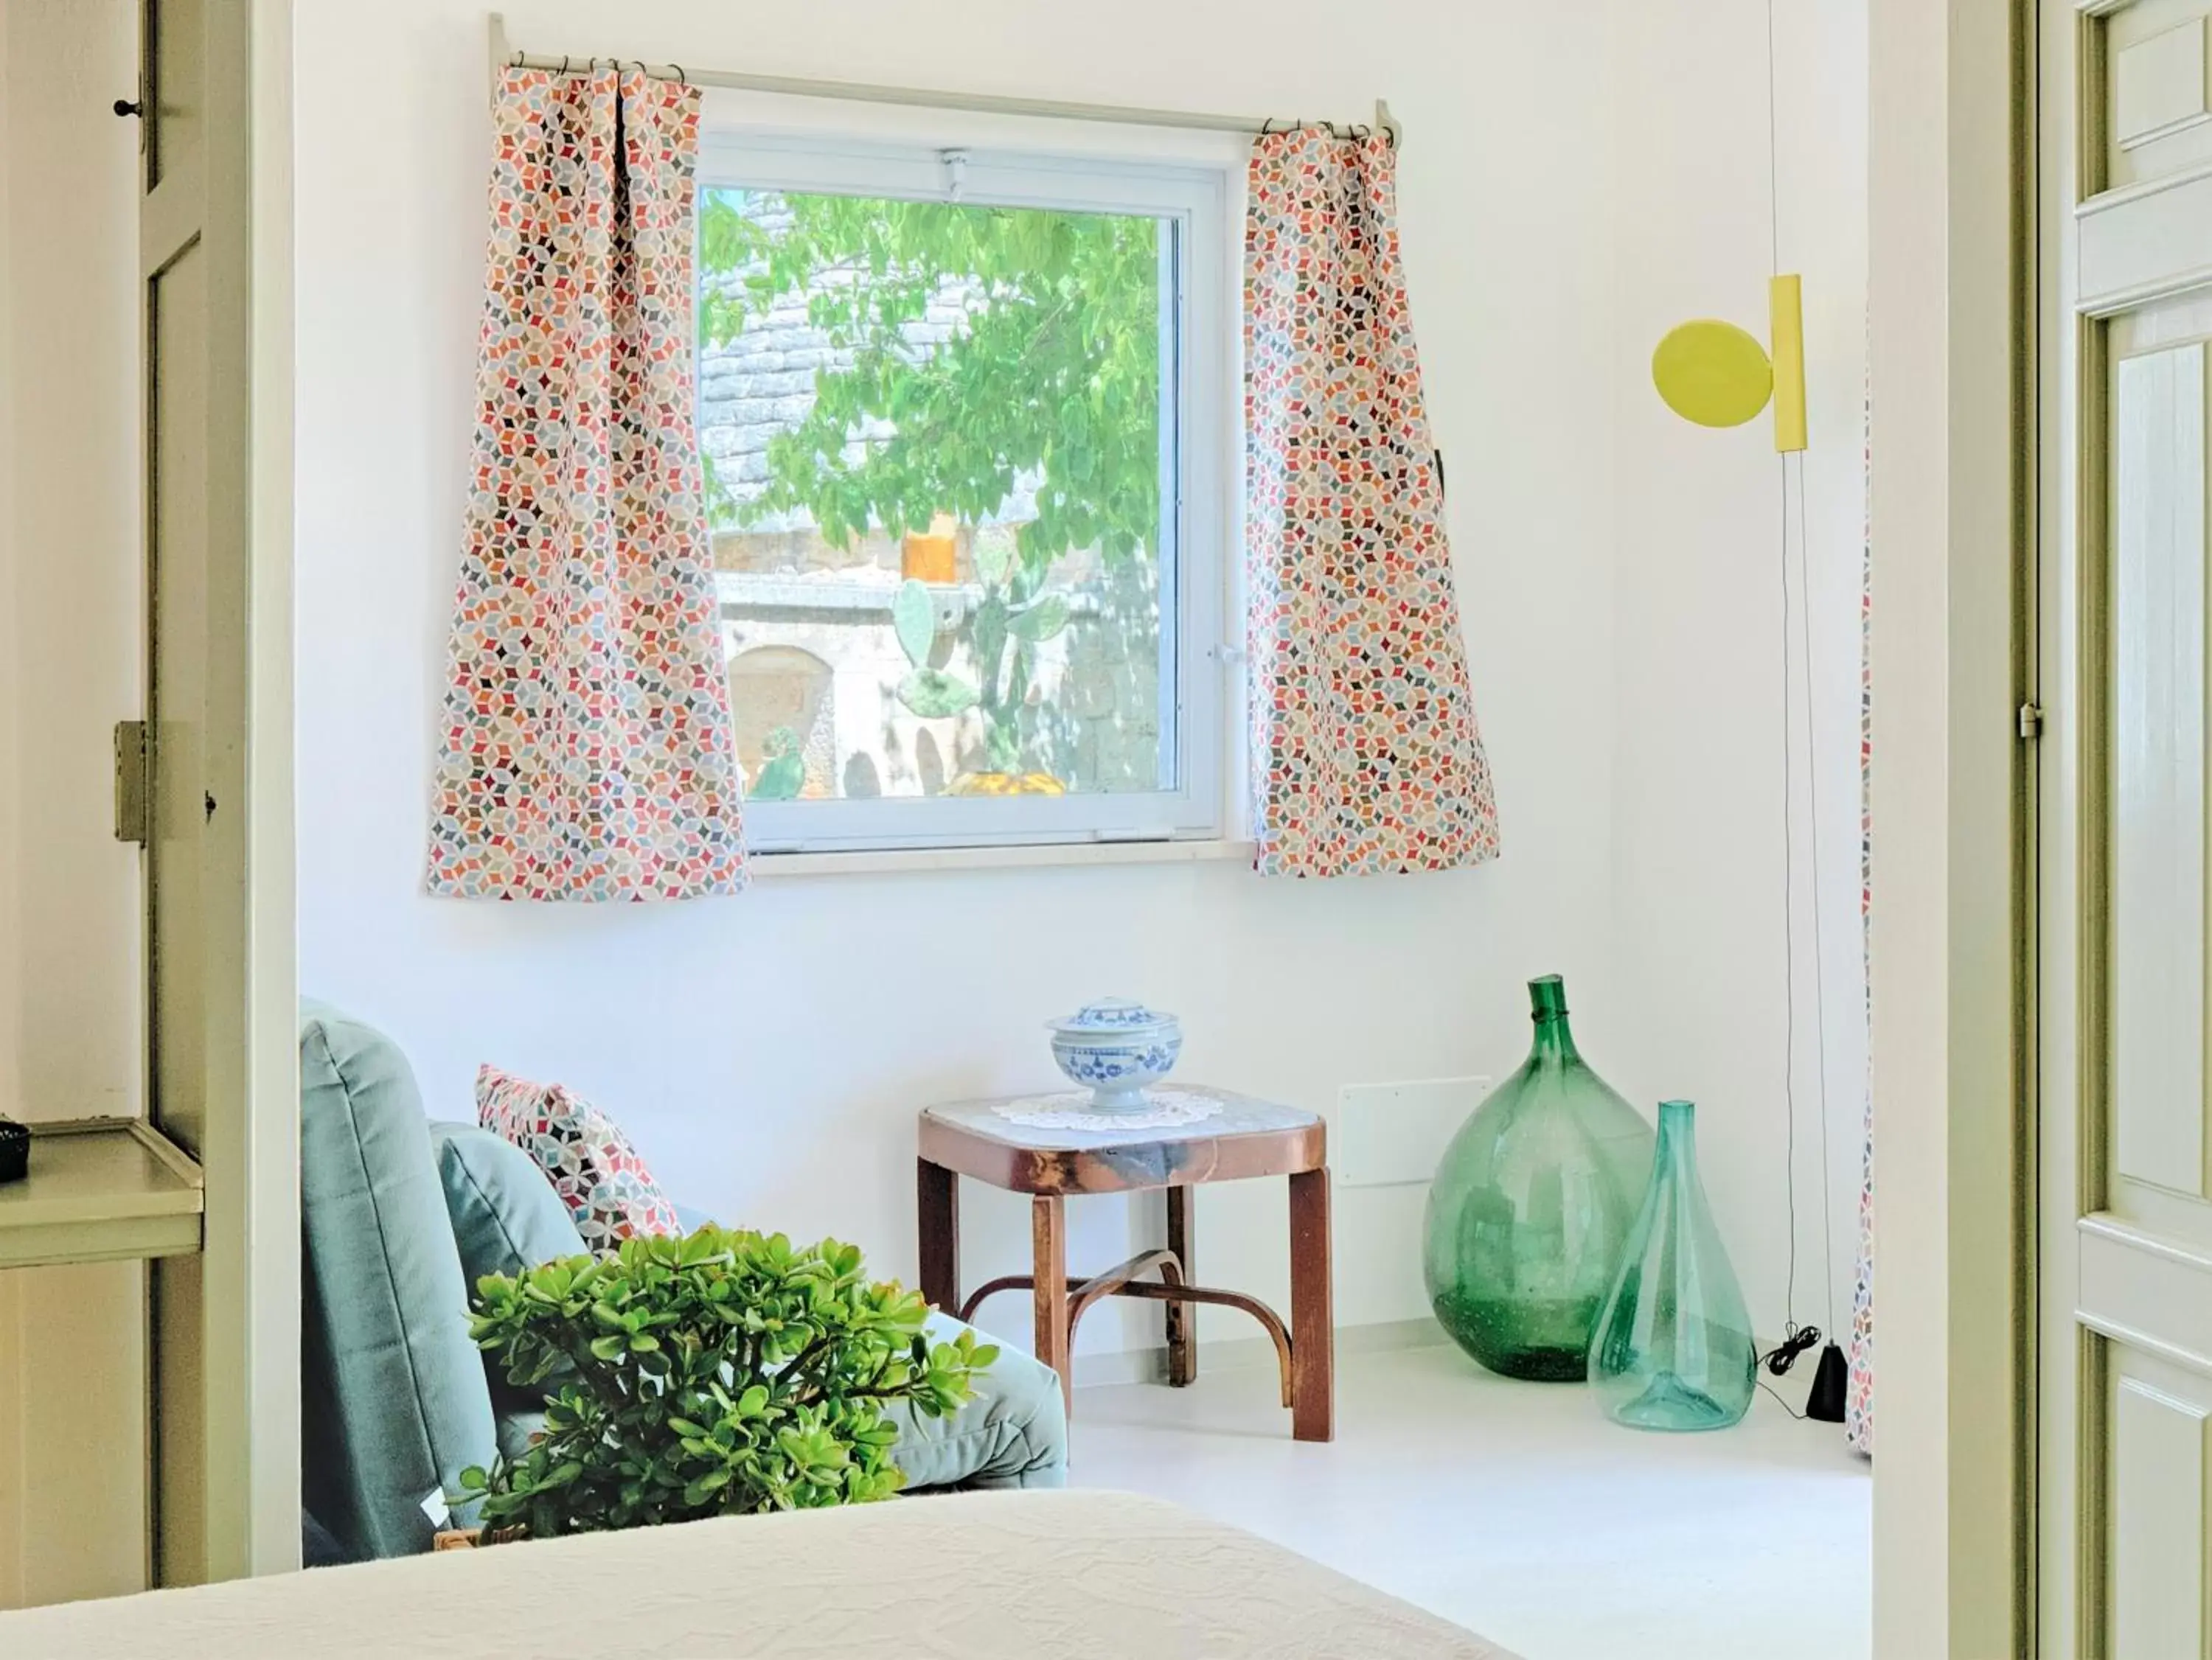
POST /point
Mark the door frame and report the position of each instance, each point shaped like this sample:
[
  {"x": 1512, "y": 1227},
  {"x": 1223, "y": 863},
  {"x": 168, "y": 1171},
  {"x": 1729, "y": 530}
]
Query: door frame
[
  {"x": 232, "y": 1504},
  {"x": 253, "y": 1249},
  {"x": 268, "y": 1538},
  {"x": 1951, "y": 304}
]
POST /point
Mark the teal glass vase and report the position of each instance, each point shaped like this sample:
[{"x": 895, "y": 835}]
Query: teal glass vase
[
  {"x": 1674, "y": 1348},
  {"x": 1531, "y": 1207}
]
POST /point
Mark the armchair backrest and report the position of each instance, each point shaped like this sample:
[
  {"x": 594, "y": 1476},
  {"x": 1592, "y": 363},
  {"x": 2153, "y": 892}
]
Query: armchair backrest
[{"x": 395, "y": 1404}]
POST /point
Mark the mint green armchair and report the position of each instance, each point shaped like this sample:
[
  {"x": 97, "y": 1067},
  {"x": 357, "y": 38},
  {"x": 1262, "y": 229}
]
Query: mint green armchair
[{"x": 396, "y": 1401}]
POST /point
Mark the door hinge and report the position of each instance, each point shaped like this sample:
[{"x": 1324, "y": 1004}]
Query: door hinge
[
  {"x": 2031, "y": 720},
  {"x": 133, "y": 796}
]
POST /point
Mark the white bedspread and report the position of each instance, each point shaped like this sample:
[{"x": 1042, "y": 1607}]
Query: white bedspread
[{"x": 986, "y": 1576}]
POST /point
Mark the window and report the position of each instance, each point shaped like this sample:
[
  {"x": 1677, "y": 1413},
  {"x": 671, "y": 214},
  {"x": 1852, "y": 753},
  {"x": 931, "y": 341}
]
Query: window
[{"x": 963, "y": 419}]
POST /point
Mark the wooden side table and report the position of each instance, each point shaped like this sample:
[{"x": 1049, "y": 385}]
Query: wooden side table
[{"x": 1245, "y": 1138}]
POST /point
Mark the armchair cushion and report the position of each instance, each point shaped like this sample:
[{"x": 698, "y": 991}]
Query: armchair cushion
[
  {"x": 506, "y": 1215},
  {"x": 394, "y": 1402},
  {"x": 1013, "y": 1434},
  {"x": 590, "y": 1162}
]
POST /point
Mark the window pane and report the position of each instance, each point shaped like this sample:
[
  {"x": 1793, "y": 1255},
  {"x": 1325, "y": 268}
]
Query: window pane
[{"x": 935, "y": 473}]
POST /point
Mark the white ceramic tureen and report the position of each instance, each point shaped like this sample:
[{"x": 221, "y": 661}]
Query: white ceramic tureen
[{"x": 1115, "y": 1047}]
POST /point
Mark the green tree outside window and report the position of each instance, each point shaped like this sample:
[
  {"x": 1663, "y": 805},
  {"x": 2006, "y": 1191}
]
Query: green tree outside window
[{"x": 1055, "y": 373}]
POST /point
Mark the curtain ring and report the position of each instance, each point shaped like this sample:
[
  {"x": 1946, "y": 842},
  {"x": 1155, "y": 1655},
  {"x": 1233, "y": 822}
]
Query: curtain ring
[
  {"x": 564, "y": 62},
  {"x": 680, "y": 75}
]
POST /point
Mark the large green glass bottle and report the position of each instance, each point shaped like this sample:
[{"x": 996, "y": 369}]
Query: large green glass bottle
[
  {"x": 1674, "y": 1348},
  {"x": 1531, "y": 1207}
]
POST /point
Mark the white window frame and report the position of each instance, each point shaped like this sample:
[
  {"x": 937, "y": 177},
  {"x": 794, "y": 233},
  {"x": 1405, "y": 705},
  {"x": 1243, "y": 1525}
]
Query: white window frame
[{"x": 1198, "y": 404}]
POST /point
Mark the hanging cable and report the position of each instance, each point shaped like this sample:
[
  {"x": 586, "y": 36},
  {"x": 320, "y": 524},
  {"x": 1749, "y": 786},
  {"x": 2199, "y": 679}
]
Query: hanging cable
[
  {"x": 1788, "y": 940},
  {"x": 1819, "y": 952},
  {"x": 1773, "y": 159}
]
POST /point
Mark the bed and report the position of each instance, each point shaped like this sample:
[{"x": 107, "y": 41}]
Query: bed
[{"x": 984, "y": 1576}]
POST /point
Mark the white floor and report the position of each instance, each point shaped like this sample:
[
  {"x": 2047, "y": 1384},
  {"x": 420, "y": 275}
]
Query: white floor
[{"x": 1515, "y": 1510}]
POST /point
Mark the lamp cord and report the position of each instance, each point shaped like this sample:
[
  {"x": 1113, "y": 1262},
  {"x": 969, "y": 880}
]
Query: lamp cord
[
  {"x": 1788, "y": 940},
  {"x": 1778, "y": 1359},
  {"x": 1819, "y": 951}
]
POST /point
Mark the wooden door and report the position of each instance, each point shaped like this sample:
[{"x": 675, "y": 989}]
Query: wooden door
[{"x": 2124, "y": 290}]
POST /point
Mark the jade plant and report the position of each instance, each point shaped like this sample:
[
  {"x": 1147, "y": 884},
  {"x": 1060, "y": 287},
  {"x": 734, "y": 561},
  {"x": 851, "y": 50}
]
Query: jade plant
[{"x": 711, "y": 1373}]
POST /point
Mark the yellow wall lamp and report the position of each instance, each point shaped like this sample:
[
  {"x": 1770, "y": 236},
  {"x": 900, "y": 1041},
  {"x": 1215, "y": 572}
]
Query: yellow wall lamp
[{"x": 1718, "y": 375}]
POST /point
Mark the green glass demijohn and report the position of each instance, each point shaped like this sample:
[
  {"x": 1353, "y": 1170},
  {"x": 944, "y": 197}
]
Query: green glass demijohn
[
  {"x": 1531, "y": 1207},
  {"x": 1674, "y": 1348}
]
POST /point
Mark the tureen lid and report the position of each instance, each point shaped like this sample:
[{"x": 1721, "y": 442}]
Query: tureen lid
[{"x": 1113, "y": 1015}]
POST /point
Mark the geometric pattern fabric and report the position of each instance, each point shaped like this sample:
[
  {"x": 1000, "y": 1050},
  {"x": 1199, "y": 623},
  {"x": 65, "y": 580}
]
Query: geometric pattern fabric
[
  {"x": 585, "y": 750},
  {"x": 1858, "y": 1407},
  {"x": 1365, "y": 757},
  {"x": 584, "y": 1153}
]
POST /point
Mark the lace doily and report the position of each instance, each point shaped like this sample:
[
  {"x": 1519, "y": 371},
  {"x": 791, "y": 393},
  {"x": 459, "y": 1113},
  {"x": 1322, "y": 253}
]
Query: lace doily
[{"x": 1164, "y": 1108}]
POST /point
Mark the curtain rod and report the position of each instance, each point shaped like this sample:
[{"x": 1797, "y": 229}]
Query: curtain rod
[{"x": 505, "y": 55}]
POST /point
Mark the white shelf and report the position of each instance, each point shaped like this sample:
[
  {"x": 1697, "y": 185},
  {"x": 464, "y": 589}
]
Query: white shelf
[{"x": 101, "y": 1191}]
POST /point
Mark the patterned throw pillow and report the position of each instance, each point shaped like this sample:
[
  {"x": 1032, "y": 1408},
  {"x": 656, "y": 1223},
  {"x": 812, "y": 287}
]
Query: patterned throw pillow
[{"x": 592, "y": 1165}]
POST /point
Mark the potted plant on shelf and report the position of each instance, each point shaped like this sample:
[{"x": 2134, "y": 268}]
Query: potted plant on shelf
[{"x": 714, "y": 1373}]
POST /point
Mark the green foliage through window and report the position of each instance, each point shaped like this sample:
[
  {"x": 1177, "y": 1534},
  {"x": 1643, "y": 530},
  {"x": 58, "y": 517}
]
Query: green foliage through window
[{"x": 1053, "y": 373}]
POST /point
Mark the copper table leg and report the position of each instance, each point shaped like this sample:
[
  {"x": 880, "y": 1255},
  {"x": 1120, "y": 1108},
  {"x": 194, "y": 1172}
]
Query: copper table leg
[
  {"x": 1048, "y": 1241},
  {"x": 1313, "y": 1336},
  {"x": 937, "y": 1209},
  {"x": 1183, "y": 1319}
]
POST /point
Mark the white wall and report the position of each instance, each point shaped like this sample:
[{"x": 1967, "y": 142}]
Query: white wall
[
  {"x": 1576, "y": 177},
  {"x": 72, "y": 1415},
  {"x": 1698, "y": 835}
]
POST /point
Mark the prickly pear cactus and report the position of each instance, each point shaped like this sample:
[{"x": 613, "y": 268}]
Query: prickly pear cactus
[{"x": 1010, "y": 622}]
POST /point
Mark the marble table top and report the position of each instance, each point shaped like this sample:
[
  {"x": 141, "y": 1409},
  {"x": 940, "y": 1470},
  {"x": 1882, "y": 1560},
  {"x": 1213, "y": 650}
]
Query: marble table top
[{"x": 1237, "y": 1115}]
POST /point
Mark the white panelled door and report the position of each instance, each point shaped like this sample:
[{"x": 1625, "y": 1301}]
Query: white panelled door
[{"x": 2124, "y": 265}]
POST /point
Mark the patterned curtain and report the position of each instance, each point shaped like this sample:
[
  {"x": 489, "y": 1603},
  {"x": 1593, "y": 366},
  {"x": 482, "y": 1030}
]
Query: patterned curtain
[
  {"x": 586, "y": 750},
  {"x": 1858, "y": 1411},
  {"x": 1365, "y": 757}
]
